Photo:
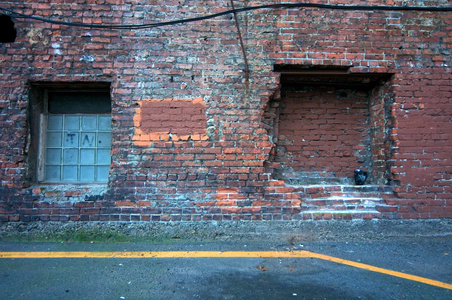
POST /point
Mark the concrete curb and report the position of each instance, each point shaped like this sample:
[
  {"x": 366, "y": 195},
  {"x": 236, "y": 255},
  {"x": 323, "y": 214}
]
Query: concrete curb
[{"x": 281, "y": 231}]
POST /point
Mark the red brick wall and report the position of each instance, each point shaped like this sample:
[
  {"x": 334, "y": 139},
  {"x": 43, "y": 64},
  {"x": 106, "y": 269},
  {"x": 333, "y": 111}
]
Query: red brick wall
[
  {"x": 383, "y": 133},
  {"x": 423, "y": 159},
  {"x": 324, "y": 132},
  {"x": 221, "y": 168}
]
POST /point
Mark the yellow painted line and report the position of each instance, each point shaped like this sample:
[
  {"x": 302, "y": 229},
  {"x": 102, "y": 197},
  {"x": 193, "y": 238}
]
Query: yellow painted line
[
  {"x": 383, "y": 271},
  {"x": 156, "y": 254},
  {"x": 225, "y": 254}
]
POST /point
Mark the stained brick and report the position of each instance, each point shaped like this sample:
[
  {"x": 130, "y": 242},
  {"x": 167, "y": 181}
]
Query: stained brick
[{"x": 189, "y": 132}]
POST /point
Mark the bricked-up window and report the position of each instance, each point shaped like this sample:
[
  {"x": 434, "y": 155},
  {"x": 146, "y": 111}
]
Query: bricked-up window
[{"x": 76, "y": 137}]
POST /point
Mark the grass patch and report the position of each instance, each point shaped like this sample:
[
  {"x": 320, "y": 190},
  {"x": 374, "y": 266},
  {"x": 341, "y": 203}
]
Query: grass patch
[{"x": 84, "y": 236}]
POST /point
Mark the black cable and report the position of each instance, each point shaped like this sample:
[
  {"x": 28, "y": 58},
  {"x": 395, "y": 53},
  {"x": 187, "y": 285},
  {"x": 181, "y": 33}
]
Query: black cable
[{"x": 16, "y": 15}]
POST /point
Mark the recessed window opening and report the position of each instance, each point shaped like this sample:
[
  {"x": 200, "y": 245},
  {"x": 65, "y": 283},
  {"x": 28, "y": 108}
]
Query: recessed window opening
[
  {"x": 77, "y": 137},
  {"x": 324, "y": 135},
  {"x": 7, "y": 32},
  {"x": 331, "y": 124}
]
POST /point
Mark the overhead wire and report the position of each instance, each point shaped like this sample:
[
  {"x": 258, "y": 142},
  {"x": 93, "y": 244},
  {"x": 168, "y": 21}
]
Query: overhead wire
[{"x": 14, "y": 14}]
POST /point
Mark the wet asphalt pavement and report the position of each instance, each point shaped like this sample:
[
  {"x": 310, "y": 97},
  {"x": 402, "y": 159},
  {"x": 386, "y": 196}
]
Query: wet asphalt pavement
[{"x": 230, "y": 278}]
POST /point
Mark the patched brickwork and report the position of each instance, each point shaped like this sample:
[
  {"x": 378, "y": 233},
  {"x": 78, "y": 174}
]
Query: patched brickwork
[
  {"x": 323, "y": 134},
  {"x": 192, "y": 139},
  {"x": 170, "y": 119}
]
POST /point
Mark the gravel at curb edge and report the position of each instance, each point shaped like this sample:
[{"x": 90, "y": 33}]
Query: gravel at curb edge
[{"x": 277, "y": 231}]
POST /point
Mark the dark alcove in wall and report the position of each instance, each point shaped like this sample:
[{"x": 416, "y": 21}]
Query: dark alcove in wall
[{"x": 7, "y": 32}]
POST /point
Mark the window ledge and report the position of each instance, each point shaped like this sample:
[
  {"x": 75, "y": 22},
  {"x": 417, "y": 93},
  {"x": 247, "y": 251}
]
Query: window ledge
[{"x": 75, "y": 192}]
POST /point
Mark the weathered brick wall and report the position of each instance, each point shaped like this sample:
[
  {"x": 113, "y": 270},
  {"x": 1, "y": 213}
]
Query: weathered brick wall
[
  {"x": 213, "y": 155},
  {"x": 323, "y": 134},
  {"x": 383, "y": 135},
  {"x": 424, "y": 150}
]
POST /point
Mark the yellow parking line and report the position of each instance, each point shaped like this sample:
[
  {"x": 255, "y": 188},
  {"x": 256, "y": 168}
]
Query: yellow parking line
[
  {"x": 155, "y": 254},
  {"x": 225, "y": 254},
  {"x": 383, "y": 271}
]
